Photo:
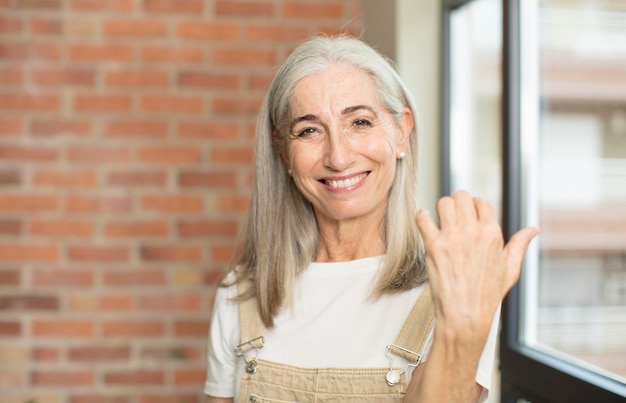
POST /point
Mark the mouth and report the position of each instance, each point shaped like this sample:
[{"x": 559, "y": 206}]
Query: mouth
[{"x": 344, "y": 183}]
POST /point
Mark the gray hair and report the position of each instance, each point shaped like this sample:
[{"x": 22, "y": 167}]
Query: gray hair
[{"x": 280, "y": 235}]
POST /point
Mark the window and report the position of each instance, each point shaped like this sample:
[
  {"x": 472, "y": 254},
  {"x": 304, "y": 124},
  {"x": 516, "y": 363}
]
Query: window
[{"x": 556, "y": 135}]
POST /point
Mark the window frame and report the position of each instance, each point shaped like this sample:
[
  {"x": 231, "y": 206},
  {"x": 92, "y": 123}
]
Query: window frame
[{"x": 526, "y": 373}]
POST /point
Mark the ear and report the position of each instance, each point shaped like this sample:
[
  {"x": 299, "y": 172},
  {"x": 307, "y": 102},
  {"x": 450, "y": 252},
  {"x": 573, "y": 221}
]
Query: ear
[{"x": 404, "y": 129}]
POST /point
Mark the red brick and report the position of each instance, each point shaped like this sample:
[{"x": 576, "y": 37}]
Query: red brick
[
  {"x": 137, "y": 79},
  {"x": 10, "y": 328},
  {"x": 10, "y": 126},
  {"x": 99, "y": 398},
  {"x": 64, "y": 378},
  {"x": 45, "y": 354},
  {"x": 12, "y": 378},
  {"x": 174, "y": 6},
  {"x": 170, "y": 154},
  {"x": 37, "y": 4},
  {"x": 189, "y": 376},
  {"x": 29, "y": 253},
  {"x": 139, "y": 377},
  {"x": 98, "y": 204},
  {"x": 168, "y": 253},
  {"x": 55, "y": 278},
  {"x": 244, "y": 8},
  {"x": 168, "y": 398},
  {"x": 137, "y": 178},
  {"x": 137, "y": 128},
  {"x": 30, "y": 102},
  {"x": 310, "y": 9},
  {"x": 111, "y": 254},
  {"x": 208, "y": 31},
  {"x": 134, "y": 278},
  {"x": 232, "y": 155},
  {"x": 276, "y": 33},
  {"x": 46, "y": 26},
  {"x": 199, "y": 228},
  {"x": 191, "y": 328},
  {"x": 28, "y": 203},
  {"x": 233, "y": 203},
  {"x": 116, "y": 303},
  {"x": 160, "y": 302},
  {"x": 134, "y": 28},
  {"x": 61, "y": 228},
  {"x": 172, "y": 104},
  {"x": 94, "y": 353},
  {"x": 260, "y": 82},
  {"x": 98, "y": 154},
  {"x": 134, "y": 229},
  {"x": 69, "y": 179},
  {"x": 120, "y": 6},
  {"x": 244, "y": 57},
  {"x": 27, "y": 153},
  {"x": 30, "y": 51},
  {"x": 221, "y": 254},
  {"x": 174, "y": 353},
  {"x": 11, "y": 76},
  {"x": 9, "y": 277},
  {"x": 25, "y": 302},
  {"x": 204, "y": 80},
  {"x": 10, "y": 25},
  {"x": 133, "y": 328},
  {"x": 100, "y": 53},
  {"x": 67, "y": 328},
  {"x": 10, "y": 177},
  {"x": 65, "y": 77},
  {"x": 179, "y": 54},
  {"x": 56, "y": 127},
  {"x": 208, "y": 179},
  {"x": 173, "y": 203},
  {"x": 237, "y": 106},
  {"x": 102, "y": 103},
  {"x": 208, "y": 130}
]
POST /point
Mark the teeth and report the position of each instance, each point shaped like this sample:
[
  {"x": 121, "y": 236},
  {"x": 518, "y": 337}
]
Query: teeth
[{"x": 340, "y": 184}]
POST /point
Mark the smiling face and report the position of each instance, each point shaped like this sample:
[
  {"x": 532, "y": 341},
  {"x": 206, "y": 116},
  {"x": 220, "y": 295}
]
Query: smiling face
[{"x": 343, "y": 145}]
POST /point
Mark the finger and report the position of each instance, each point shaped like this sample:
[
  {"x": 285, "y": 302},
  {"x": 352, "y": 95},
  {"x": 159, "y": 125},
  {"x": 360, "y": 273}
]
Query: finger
[
  {"x": 427, "y": 226},
  {"x": 465, "y": 210},
  {"x": 515, "y": 250},
  {"x": 484, "y": 210},
  {"x": 447, "y": 211}
]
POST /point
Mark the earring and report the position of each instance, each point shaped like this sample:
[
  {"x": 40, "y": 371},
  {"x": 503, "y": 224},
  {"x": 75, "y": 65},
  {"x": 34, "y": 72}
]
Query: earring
[
  {"x": 289, "y": 172},
  {"x": 401, "y": 155}
]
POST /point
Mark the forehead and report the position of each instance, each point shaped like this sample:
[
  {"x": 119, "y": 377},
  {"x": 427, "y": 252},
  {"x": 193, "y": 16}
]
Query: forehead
[{"x": 333, "y": 89}]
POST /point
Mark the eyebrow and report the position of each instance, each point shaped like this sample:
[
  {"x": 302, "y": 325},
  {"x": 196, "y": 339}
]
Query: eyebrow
[{"x": 346, "y": 111}]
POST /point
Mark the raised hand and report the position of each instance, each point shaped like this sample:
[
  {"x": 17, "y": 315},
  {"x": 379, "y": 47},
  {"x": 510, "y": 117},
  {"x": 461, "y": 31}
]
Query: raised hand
[{"x": 469, "y": 266}]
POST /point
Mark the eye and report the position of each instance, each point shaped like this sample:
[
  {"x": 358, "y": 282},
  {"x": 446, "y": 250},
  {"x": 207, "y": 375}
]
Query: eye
[
  {"x": 306, "y": 132},
  {"x": 362, "y": 123}
]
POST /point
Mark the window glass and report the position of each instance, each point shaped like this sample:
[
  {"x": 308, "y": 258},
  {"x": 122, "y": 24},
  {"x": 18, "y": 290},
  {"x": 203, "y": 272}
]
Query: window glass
[
  {"x": 475, "y": 99},
  {"x": 574, "y": 286}
]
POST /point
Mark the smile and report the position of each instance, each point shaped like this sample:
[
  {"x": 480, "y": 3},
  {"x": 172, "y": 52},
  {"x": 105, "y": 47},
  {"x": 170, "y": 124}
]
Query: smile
[{"x": 345, "y": 183}]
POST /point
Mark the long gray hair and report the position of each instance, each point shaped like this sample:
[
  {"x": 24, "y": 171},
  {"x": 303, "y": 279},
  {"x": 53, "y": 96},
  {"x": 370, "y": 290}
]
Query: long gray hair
[{"x": 280, "y": 235}]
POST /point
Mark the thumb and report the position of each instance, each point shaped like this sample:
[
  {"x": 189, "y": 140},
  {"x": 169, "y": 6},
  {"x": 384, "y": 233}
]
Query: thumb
[{"x": 515, "y": 249}]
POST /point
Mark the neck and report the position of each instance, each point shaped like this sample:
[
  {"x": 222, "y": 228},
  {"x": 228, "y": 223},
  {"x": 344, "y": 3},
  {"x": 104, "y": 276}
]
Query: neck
[{"x": 343, "y": 241}]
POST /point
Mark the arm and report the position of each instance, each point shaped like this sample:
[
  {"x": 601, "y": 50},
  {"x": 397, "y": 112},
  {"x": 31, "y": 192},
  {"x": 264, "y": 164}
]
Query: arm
[{"x": 470, "y": 271}]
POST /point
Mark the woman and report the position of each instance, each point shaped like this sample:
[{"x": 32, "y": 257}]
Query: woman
[{"x": 328, "y": 298}]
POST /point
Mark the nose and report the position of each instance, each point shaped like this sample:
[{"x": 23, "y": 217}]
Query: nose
[{"x": 339, "y": 153}]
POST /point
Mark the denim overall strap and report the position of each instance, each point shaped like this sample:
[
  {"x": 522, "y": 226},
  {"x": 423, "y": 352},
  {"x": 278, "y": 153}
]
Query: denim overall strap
[
  {"x": 251, "y": 327},
  {"x": 414, "y": 333}
]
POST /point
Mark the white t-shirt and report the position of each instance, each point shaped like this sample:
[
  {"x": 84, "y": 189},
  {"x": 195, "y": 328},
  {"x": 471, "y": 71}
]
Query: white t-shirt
[{"x": 333, "y": 322}]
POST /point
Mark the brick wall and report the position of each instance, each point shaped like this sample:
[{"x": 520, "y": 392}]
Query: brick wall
[{"x": 125, "y": 165}]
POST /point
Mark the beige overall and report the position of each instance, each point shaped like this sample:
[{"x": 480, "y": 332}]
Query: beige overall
[{"x": 265, "y": 381}]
